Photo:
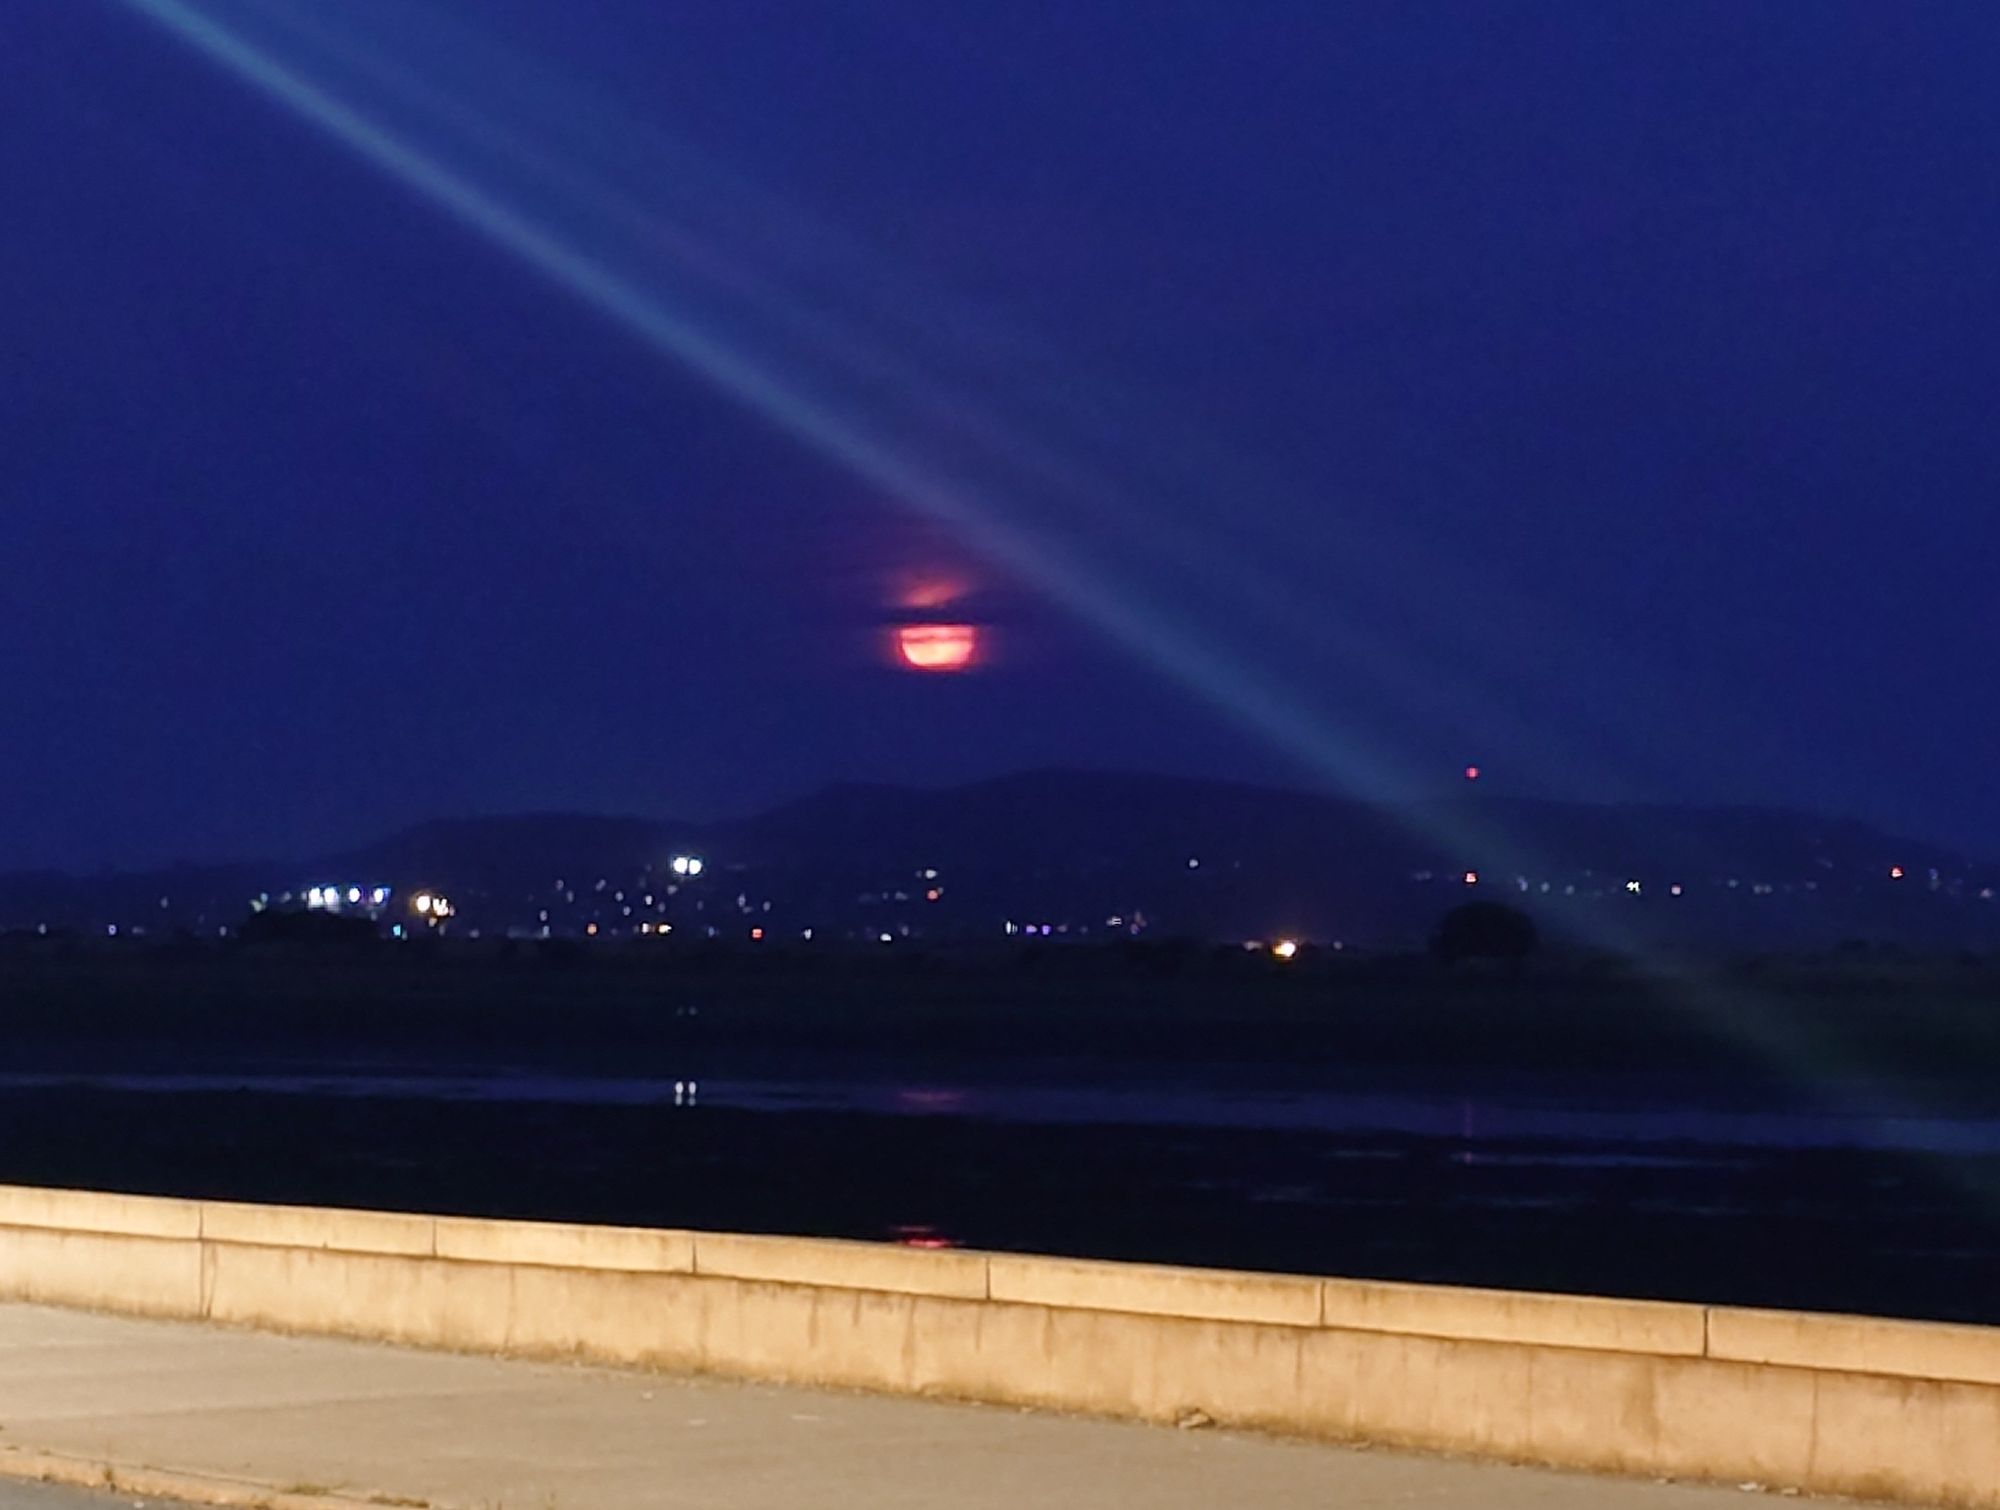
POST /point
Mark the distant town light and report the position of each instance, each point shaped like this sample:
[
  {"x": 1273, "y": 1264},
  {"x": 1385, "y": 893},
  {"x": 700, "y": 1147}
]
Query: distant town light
[
  {"x": 1472, "y": 878},
  {"x": 1633, "y": 887},
  {"x": 423, "y": 902},
  {"x": 353, "y": 894},
  {"x": 1285, "y": 948},
  {"x": 1895, "y": 872},
  {"x": 756, "y": 935},
  {"x": 1472, "y": 773},
  {"x": 687, "y": 865},
  {"x": 1676, "y": 889}
]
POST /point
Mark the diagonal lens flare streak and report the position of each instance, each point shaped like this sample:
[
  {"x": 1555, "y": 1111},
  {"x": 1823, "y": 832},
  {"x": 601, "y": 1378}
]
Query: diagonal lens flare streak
[
  {"x": 1052, "y": 520},
  {"x": 737, "y": 370},
  {"x": 882, "y": 326},
  {"x": 891, "y": 403}
]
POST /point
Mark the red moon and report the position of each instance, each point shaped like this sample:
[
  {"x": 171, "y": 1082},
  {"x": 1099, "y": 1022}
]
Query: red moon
[{"x": 937, "y": 647}]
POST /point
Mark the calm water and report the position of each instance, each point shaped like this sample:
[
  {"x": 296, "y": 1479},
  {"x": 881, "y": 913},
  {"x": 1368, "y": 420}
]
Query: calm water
[{"x": 1599, "y": 1120}]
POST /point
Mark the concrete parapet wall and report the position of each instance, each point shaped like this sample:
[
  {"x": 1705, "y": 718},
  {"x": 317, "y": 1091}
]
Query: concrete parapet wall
[
  {"x": 93, "y": 1211},
  {"x": 318, "y": 1227},
  {"x": 1154, "y": 1290},
  {"x": 1896, "y": 1410},
  {"x": 147, "y": 1276},
  {"x": 1580, "y": 1321},
  {"x": 842, "y": 1265},
  {"x": 1856, "y": 1344},
  {"x": 565, "y": 1245}
]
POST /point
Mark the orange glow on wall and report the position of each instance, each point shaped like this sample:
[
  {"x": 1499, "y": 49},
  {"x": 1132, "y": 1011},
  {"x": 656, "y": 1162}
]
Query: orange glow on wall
[{"x": 937, "y": 647}]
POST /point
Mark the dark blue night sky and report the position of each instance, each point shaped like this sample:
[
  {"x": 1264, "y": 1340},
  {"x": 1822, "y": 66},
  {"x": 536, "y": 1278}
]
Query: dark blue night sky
[{"x": 1605, "y": 393}]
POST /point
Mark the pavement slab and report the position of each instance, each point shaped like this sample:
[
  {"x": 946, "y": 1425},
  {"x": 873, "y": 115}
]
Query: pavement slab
[{"x": 248, "y": 1418}]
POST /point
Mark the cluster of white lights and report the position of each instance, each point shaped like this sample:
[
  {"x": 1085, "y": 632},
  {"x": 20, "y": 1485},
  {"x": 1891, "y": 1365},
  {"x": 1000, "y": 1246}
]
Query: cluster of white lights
[
  {"x": 353, "y": 896},
  {"x": 687, "y": 865},
  {"x": 432, "y": 904}
]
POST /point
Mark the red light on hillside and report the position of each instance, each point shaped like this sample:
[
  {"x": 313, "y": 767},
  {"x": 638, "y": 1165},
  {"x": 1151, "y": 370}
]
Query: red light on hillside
[
  {"x": 1472, "y": 773},
  {"x": 937, "y": 647}
]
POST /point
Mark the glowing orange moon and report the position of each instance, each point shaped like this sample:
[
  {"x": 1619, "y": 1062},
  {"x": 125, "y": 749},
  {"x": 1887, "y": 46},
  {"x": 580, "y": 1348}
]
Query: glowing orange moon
[{"x": 937, "y": 647}]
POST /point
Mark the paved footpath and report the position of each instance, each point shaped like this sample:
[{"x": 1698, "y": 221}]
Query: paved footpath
[
  {"x": 15, "y": 1496},
  {"x": 238, "y": 1417}
]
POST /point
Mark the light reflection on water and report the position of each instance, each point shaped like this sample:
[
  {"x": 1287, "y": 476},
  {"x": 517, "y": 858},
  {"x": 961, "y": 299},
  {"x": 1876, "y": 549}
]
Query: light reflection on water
[
  {"x": 1580, "y": 1121},
  {"x": 921, "y": 1235}
]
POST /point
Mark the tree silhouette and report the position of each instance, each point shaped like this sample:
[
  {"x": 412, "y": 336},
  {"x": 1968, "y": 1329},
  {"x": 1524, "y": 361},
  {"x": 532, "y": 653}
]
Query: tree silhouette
[
  {"x": 273, "y": 926},
  {"x": 1485, "y": 930}
]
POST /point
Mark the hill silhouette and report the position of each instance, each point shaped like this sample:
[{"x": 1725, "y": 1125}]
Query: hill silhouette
[{"x": 1214, "y": 859}]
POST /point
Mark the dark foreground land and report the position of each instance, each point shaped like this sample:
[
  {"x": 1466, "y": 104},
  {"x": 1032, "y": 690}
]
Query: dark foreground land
[{"x": 1822, "y": 1135}]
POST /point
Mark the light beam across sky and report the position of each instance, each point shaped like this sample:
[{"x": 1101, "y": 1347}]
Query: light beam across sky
[
  {"x": 803, "y": 362},
  {"x": 694, "y": 293},
  {"x": 1168, "y": 590}
]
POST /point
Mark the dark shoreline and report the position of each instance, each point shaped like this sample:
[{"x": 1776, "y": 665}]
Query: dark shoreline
[
  {"x": 1840, "y": 1230},
  {"x": 1931, "y": 1024},
  {"x": 1849, "y": 1229}
]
